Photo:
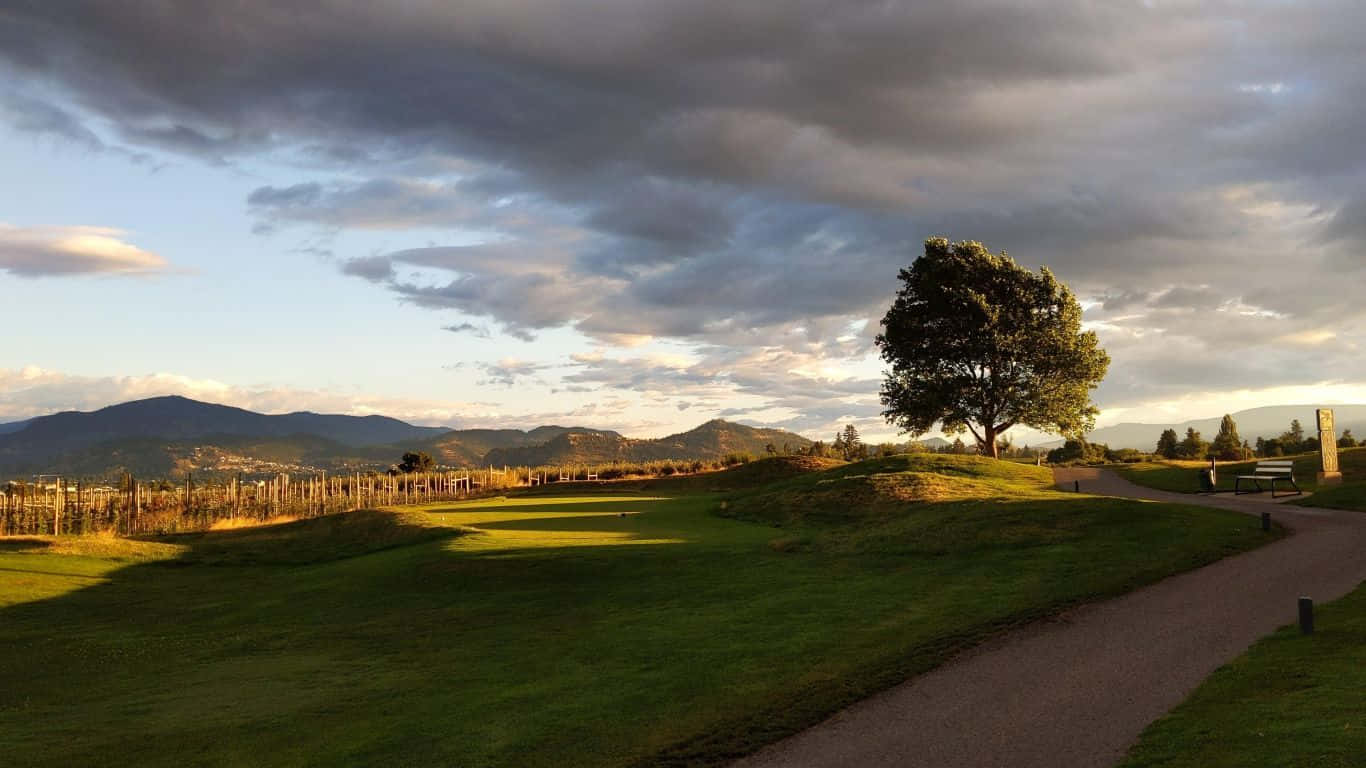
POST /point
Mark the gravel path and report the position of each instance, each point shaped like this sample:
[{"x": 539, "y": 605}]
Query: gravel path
[{"x": 1077, "y": 690}]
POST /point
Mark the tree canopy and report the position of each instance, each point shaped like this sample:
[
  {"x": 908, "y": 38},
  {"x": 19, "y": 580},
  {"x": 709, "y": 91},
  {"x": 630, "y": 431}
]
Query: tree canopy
[
  {"x": 1227, "y": 444},
  {"x": 1167, "y": 444},
  {"x": 1192, "y": 446},
  {"x": 978, "y": 343},
  {"x": 416, "y": 461}
]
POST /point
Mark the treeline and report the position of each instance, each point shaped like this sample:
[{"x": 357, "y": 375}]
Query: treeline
[
  {"x": 1228, "y": 446},
  {"x": 420, "y": 461},
  {"x": 849, "y": 446}
]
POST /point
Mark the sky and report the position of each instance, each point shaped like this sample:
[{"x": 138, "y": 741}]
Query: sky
[{"x": 643, "y": 215}]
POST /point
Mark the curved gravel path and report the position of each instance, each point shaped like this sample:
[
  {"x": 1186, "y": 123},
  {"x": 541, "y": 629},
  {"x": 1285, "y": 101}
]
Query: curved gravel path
[{"x": 1077, "y": 690}]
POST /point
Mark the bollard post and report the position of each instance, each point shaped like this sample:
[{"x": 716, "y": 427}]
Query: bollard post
[
  {"x": 1076, "y": 486},
  {"x": 1266, "y": 521},
  {"x": 1306, "y": 616}
]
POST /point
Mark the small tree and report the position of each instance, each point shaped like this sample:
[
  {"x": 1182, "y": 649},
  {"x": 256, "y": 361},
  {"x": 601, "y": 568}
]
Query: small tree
[
  {"x": 1347, "y": 441},
  {"x": 978, "y": 343},
  {"x": 1292, "y": 440},
  {"x": 1192, "y": 446},
  {"x": 849, "y": 445},
  {"x": 1167, "y": 445},
  {"x": 416, "y": 461},
  {"x": 1227, "y": 445},
  {"x": 771, "y": 449}
]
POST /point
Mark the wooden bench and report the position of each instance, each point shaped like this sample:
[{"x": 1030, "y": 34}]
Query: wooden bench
[{"x": 1272, "y": 471}]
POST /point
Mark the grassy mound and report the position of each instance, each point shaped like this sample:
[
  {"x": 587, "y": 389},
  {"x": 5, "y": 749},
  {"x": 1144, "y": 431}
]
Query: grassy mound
[
  {"x": 316, "y": 540},
  {"x": 751, "y": 474},
  {"x": 765, "y": 471},
  {"x": 884, "y": 487}
]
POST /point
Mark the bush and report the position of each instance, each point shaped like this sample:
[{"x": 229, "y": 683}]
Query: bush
[
  {"x": 1078, "y": 451},
  {"x": 1125, "y": 455}
]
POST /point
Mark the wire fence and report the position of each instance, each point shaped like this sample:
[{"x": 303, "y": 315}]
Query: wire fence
[{"x": 54, "y": 505}]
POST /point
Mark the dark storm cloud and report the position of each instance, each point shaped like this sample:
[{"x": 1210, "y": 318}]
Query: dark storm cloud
[{"x": 754, "y": 174}]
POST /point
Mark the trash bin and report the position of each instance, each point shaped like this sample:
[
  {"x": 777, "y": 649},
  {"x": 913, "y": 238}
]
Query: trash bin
[{"x": 1207, "y": 480}]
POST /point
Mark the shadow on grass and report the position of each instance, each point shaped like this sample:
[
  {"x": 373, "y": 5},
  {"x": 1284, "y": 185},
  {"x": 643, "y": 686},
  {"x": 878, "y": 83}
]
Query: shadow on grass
[
  {"x": 303, "y": 542},
  {"x": 23, "y": 544},
  {"x": 550, "y": 655}
]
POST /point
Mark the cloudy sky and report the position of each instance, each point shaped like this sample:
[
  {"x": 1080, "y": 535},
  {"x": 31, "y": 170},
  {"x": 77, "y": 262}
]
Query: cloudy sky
[{"x": 641, "y": 215}]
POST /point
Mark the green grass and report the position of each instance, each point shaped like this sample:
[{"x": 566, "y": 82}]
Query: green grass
[
  {"x": 609, "y": 629},
  {"x": 1183, "y": 476},
  {"x": 1345, "y": 496},
  {"x": 1290, "y": 700}
]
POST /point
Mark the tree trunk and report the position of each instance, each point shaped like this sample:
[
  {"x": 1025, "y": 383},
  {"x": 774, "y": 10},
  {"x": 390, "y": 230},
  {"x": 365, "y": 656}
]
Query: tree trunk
[{"x": 989, "y": 441}]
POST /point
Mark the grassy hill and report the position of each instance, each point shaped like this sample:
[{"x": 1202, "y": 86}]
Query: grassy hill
[{"x": 682, "y": 622}]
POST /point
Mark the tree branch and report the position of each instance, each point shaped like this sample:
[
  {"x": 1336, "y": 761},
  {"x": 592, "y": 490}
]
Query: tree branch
[{"x": 980, "y": 441}]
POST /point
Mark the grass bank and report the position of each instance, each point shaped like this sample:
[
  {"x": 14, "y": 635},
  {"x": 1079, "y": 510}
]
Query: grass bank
[
  {"x": 681, "y": 624},
  {"x": 1183, "y": 476},
  {"x": 1291, "y": 699}
]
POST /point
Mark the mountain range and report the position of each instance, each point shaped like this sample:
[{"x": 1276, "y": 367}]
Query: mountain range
[
  {"x": 170, "y": 436},
  {"x": 1268, "y": 422}
]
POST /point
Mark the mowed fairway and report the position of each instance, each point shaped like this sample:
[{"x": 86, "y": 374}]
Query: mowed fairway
[{"x": 608, "y": 629}]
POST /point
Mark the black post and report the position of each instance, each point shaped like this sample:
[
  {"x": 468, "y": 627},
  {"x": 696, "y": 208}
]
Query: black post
[
  {"x": 1306, "y": 616},
  {"x": 1266, "y": 521},
  {"x": 1076, "y": 486}
]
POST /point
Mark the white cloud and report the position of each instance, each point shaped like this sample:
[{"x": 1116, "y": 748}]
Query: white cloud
[
  {"x": 33, "y": 391},
  {"x": 58, "y": 251}
]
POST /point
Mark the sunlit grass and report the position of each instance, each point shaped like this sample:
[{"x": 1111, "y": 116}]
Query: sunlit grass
[
  {"x": 41, "y": 567},
  {"x": 1184, "y": 476},
  {"x": 613, "y": 629}
]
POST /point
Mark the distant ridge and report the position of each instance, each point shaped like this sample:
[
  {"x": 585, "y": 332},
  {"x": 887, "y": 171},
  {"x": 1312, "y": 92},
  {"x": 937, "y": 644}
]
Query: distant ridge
[
  {"x": 712, "y": 440},
  {"x": 1267, "y": 421},
  {"x": 171, "y": 436}
]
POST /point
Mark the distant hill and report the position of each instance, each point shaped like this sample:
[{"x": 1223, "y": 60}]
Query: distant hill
[
  {"x": 43, "y": 439},
  {"x": 1269, "y": 421},
  {"x": 712, "y": 440},
  {"x": 13, "y": 426},
  {"x": 470, "y": 447},
  {"x": 172, "y": 436}
]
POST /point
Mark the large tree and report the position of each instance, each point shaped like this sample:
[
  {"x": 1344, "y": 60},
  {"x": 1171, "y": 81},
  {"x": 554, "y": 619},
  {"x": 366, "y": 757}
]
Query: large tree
[{"x": 978, "y": 343}]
